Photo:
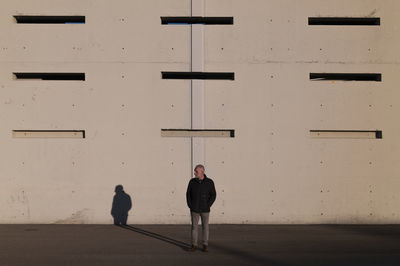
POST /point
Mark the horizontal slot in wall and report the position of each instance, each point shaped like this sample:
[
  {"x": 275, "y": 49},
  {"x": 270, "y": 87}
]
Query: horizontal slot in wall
[
  {"x": 80, "y": 134},
  {"x": 354, "y": 134},
  {"x": 344, "y": 21},
  {"x": 198, "y": 75},
  {"x": 25, "y": 19},
  {"x": 228, "y": 133},
  {"x": 198, "y": 20},
  {"x": 347, "y": 76},
  {"x": 49, "y": 76}
]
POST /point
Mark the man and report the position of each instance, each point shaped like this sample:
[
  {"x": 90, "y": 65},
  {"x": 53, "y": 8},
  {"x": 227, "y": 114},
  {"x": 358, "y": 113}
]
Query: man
[
  {"x": 200, "y": 195},
  {"x": 120, "y": 206}
]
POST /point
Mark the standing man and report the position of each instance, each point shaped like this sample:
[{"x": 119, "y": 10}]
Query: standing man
[{"x": 200, "y": 195}]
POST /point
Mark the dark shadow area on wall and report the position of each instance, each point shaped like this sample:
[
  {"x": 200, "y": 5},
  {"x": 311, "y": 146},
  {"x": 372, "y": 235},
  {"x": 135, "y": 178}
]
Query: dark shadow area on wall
[
  {"x": 121, "y": 204},
  {"x": 178, "y": 243}
]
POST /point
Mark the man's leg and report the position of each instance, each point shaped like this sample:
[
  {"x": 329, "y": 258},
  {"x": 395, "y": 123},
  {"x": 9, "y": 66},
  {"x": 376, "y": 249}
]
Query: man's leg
[
  {"x": 195, "y": 222},
  {"x": 124, "y": 218},
  {"x": 117, "y": 219},
  {"x": 204, "y": 224}
]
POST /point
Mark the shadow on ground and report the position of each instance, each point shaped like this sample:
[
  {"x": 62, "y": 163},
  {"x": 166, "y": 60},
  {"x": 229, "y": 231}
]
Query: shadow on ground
[
  {"x": 240, "y": 254},
  {"x": 175, "y": 242}
]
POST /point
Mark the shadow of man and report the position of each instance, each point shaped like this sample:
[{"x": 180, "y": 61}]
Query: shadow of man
[
  {"x": 120, "y": 206},
  {"x": 169, "y": 240}
]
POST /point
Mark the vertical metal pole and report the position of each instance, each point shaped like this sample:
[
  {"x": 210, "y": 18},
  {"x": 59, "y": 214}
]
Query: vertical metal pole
[{"x": 197, "y": 86}]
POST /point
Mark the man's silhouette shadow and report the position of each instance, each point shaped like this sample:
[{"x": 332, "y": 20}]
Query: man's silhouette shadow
[{"x": 120, "y": 206}]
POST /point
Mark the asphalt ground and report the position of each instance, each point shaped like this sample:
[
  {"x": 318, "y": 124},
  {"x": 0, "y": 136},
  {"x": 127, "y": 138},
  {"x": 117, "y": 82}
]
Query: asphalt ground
[{"x": 59, "y": 244}]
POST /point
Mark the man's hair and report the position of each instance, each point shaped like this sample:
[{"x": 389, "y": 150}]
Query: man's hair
[{"x": 199, "y": 166}]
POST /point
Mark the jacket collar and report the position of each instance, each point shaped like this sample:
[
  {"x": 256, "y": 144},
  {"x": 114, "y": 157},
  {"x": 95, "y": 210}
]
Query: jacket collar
[{"x": 198, "y": 179}]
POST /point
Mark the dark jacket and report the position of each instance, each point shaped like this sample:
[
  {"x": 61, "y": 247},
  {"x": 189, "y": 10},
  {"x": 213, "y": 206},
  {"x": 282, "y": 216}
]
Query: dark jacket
[
  {"x": 200, "y": 195},
  {"x": 121, "y": 204}
]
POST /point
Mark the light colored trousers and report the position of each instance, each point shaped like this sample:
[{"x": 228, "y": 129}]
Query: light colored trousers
[{"x": 195, "y": 225}]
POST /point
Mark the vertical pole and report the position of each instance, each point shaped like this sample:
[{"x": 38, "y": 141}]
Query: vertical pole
[{"x": 197, "y": 86}]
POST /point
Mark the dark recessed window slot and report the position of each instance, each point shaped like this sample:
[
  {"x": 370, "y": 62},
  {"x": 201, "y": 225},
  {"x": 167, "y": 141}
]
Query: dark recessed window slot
[
  {"x": 49, "y": 76},
  {"x": 347, "y": 76},
  {"x": 352, "y": 134},
  {"x": 50, "y": 19},
  {"x": 197, "y": 20},
  {"x": 344, "y": 21},
  {"x": 48, "y": 134},
  {"x": 229, "y": 133},
  {"x": 198, "y": 75}
]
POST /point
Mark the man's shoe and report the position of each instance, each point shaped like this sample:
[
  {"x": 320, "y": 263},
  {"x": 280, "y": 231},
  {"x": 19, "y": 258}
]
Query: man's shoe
[
  {"x": 205, "y": 248},
  {"x": 193, "y": 248}
]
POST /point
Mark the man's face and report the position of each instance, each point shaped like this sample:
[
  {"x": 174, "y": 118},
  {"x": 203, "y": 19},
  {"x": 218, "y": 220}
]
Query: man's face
[{"x": 198, "y": 172}]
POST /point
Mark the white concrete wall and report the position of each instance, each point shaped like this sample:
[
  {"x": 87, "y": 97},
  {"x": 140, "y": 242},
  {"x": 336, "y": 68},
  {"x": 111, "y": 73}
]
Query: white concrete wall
[{"x": 271, "y": 172}]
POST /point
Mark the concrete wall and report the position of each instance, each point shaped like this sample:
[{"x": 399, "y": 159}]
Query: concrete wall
[{"x": 272, "y": 171}]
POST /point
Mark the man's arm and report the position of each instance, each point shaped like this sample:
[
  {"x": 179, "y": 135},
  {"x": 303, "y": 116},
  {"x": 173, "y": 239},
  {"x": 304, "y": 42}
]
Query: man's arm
[
  {"x": 129, "y": 203},
  {"x": 213, "y": 194},
  {"x": 113, "y": 207},
  {"x": 188, "y": 196}
]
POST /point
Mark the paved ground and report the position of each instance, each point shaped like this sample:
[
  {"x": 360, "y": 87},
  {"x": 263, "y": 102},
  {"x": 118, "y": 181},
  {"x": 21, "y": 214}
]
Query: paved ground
[{"x": 229, "y": 245}]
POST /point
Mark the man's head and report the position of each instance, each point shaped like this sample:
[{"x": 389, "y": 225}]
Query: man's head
[
  {"x": 199, "y": 171},
  {"x": 119, "y": 189}
]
